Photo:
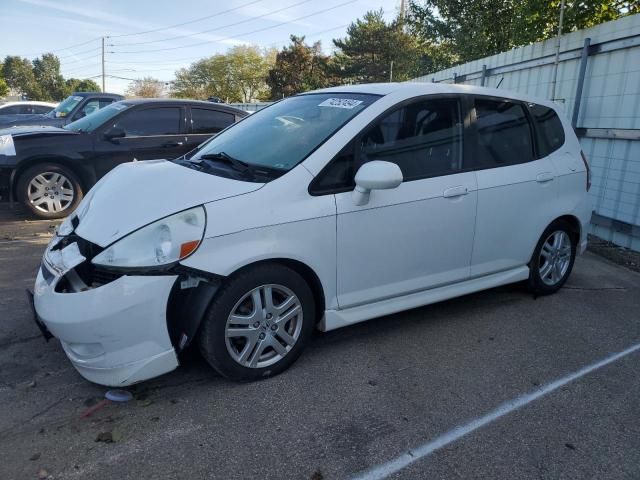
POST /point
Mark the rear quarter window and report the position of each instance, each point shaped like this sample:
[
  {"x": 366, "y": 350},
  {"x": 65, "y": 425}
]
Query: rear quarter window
[
  {"x": 550, "y": 131},
  {"x": 209, "y": 121}
]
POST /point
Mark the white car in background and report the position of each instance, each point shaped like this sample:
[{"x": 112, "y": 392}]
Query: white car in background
[
  {"x": 320, "y": 211},
  {"x": 26, "y": 108}
]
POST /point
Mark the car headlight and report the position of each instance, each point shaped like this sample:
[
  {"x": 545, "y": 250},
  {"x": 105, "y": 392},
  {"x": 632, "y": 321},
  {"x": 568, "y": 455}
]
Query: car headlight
[{"x": 160, "y": 243}]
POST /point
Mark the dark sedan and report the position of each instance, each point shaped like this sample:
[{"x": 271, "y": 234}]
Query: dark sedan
[
  {"x": 74, "y": 107},
  {"x": 49, "y": 168}
]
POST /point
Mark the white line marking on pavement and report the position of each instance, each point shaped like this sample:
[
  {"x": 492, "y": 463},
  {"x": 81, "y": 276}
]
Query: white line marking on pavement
[{"x": 393, "y": 466}]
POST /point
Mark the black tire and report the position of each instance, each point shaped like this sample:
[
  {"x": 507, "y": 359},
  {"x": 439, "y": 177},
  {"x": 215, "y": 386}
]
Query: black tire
[
  {"x": 23, "y": 188},
  {"x": 536, "y": 284},
  {"x": 212, "y": 336}
]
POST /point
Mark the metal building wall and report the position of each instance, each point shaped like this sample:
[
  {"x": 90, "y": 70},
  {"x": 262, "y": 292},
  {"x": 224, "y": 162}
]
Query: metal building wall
[{"x": 608, "y": 119}]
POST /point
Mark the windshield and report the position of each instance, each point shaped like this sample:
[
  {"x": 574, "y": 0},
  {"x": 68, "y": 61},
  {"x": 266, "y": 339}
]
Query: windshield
[
  {"x": 97, "y": 118},
  {"x": 65, "y": 107},
  {"x": 282, "y": 135}
]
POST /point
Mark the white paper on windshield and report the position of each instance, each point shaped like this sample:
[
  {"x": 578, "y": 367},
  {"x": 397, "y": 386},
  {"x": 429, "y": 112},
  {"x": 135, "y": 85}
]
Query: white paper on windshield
[
  {"x": 117, "y": 106},
  {"x": 77, "y": 98},
  {"x": 6, "y": 145},
  {"x": 347, "y": 103}
]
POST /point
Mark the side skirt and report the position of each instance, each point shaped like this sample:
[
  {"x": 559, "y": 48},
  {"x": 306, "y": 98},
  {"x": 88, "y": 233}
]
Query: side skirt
[{"x": 341, "y": 318}]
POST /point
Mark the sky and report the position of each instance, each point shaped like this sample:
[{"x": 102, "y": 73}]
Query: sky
[{"x": 155, "y": 38}]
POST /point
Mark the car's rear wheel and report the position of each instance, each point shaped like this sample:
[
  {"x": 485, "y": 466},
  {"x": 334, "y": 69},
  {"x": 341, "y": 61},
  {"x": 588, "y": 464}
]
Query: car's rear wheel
[
  {"x": 259, "y": 323},
  {"x": 553, "y": 259},
  {"x": 49, "y": 190}
]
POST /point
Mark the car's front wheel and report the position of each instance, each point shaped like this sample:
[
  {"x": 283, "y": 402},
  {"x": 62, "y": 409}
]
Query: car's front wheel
[
  {"x": 49, "y": 190},
  {"x": 553, "y": 258},
  {"x": 259, "y": 323}
]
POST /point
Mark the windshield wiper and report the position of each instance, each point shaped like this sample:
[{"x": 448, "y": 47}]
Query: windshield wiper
[{"x": 239, "y": 165}]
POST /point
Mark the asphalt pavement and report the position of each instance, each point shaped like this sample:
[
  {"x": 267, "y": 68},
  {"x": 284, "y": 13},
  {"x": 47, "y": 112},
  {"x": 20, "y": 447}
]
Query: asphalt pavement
[{"x": 359, "y": 398}]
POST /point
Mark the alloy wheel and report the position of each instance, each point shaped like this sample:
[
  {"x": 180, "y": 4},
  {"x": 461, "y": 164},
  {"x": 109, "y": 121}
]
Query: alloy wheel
[
  {"x": 264, "y": 325},
  {"x": 555, "y": 258}
]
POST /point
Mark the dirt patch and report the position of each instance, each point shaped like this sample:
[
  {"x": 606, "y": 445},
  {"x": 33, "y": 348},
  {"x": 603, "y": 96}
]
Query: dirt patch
[{"x": 618, "y": 255}]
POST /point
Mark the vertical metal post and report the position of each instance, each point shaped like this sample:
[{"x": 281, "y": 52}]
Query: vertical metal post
[
  {"x": 584, "y": 58},
  {"x": 557, "y": 61},
  {"x": 103, "y": 89},
  {"x": 484, "y": 75},
  {"x": 391, "y": 72}
]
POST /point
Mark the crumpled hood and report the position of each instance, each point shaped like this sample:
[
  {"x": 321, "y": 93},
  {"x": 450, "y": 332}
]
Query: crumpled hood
[{"x": 138, "y": 193}]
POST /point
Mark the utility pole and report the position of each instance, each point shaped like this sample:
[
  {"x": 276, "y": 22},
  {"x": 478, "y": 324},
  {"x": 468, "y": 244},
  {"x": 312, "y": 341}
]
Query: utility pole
[
  {"x": 391, "y": 72},
  {"x": 103, "y": 89},
  {"x": 402, "y": 10},
  {"x": 557, "y": 61}
]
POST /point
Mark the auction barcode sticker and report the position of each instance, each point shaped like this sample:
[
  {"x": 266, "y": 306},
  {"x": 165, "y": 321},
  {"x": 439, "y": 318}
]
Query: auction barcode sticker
[{"x": 348, "y": 103}]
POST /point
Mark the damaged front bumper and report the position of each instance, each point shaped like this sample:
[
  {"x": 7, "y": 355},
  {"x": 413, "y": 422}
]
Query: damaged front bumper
[{"x": 114, "y": 334}]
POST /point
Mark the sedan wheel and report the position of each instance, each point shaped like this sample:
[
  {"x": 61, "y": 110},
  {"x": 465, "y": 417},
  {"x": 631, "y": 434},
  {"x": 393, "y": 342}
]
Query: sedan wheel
[{"x": 50, "y": 192}]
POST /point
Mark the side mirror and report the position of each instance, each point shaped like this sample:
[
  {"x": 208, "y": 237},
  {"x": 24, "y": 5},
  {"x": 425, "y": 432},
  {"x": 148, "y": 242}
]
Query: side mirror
[
  {"x": 375, "y": 175},
  {"x": 114, "y": 132}
]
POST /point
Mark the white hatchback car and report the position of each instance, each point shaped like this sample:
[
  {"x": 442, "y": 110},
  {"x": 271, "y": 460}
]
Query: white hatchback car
[{"x": 320, "y": 211}]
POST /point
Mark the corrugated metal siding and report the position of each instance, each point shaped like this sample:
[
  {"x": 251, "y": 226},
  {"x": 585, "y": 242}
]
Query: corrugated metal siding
[{"x": 610, "y": 99}]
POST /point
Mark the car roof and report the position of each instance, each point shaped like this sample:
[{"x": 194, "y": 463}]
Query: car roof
[
  {"x": 28, "y": 102},
  {"x": 101, "y": 94},
  {"x": 413, "y": 89},
  {"x": 178, "y": 101}
]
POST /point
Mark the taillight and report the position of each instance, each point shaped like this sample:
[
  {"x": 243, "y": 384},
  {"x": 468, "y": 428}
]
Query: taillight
[{"x": 586, "y": 165}]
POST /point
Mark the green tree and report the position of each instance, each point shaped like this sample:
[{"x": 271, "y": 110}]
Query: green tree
[
  {"x": 298, "y": 67},
  {"x": 148, "y": 87},
  {"x": 77, "y": 85},
  {"x": 46, "y": 71},
  {"x": 237, "y": 76},
  {"x": 371, "y": 44},
  {"x": 472, "y": 29},
  {"x": 4, "y": 88},
  {"x": 18, "y": 74}
]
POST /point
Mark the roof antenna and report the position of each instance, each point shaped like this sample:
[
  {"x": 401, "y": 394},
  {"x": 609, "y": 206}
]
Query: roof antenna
[{"x": 500, "y": 82}]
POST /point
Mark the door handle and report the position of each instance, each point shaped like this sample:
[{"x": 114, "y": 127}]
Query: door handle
[
  {"x": 545, "y": 177},
  {"x": 173, "y": 144},
  {"x": 453, "y": 192}
]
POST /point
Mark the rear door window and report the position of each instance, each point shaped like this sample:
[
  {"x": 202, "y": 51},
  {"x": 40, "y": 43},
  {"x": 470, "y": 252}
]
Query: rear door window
[
  {"x": 549, "y": 129},
  {"x": 12, "y": 110},
  {"x": 151, "y": 121},
  {"x": 42, "y": 109},
  {"x": 503, "y": 134},
  {"x": 209, "y": 121}
]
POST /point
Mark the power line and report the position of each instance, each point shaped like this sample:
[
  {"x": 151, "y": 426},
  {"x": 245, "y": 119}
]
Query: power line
[
  {"x": 221, "y": 27},
  {"x": 79, "y": 53},
  {"x": 239, "y": 35},
  {"x": 187, "y": 23},
  {"x": 200, "y": 57},
  {"x": 61, "y": 49}
]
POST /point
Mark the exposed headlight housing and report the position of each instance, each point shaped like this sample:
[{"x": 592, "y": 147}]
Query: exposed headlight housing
[{"x": 163, "y": 242}]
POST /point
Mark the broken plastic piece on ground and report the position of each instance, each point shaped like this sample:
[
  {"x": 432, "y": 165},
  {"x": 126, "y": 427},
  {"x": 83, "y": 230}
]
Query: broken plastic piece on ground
[{"x": 118, "y": 395}]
